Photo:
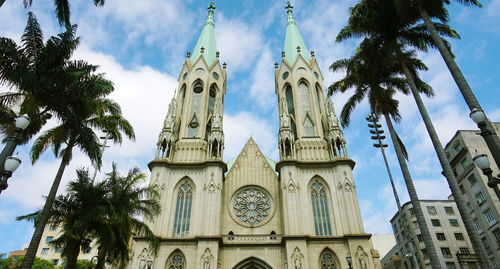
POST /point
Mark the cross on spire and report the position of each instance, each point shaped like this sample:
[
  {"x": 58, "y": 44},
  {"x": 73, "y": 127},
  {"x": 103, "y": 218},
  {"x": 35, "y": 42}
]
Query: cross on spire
[
  {"x": 212, "y": 6},
  {"x": 288, "y": 6}
]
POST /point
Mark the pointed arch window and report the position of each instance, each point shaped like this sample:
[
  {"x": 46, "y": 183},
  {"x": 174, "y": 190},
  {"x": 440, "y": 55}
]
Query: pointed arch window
[
  {"x": 210, "y": 110},
  {"x": 183, "y": 209},
  {"x": 327, "y": 259},
  {"x": 291, "y": 108},
  {"x": 320, "y": 209},
  {"x": 308, "y": 126},
  {"x": 195, "y": 108},
  {"x": 306, "y": 109},
  {"x": 319, "y": 95},
  {"x": 182, "y": 95},
  {"x": 176, "y": 261}
]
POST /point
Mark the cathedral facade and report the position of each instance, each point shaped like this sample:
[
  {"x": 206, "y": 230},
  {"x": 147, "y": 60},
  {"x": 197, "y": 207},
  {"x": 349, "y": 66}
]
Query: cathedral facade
[{"x": 301, "y": 212}]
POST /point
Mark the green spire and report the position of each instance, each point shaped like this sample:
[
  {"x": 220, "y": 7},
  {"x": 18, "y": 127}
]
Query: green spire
[
  {"x": 206, "y": 42},
  {"x": 293, "y": 39}
]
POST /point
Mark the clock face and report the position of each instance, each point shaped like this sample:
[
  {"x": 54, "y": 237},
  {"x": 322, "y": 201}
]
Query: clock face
[{"x": 251, "y": 206}]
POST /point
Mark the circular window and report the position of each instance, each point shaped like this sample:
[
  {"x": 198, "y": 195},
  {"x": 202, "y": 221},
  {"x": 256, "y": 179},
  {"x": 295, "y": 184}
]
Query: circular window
[
  {"x": 216, "y": 76},
  {"x": 285, "y": 75},
  {"x": 316, "y": 74},
  {"x": 185, "y": 75},
  {"x": 251, "y": 206}
]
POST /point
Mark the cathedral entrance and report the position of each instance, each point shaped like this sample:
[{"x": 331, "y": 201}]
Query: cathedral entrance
[{"x": 252, "y": 263}]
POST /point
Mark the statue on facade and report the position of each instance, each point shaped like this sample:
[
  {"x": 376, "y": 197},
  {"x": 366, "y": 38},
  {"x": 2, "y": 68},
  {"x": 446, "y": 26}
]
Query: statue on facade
[{"x": 297, "y": 259}]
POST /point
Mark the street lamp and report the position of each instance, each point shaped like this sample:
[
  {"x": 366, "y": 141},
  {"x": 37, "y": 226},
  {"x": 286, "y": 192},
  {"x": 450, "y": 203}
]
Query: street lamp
[
  {"x": 21, "y": 123},
  {"x": 487, "y": 132},
  {"x": 349, "y": 260},
  {"x": 150, "y": 264},
  {"x": 11, "y": 164},
  {"x": 483, "y": 163}
]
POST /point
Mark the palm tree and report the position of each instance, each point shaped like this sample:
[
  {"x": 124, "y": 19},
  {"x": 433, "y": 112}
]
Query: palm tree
[
  {"x": 33, "y": 72},
  {"x": 372, "y": 76},
  {"x": 76, "y": 211},
  {"x": 375, "y": 18},
  {"x": 127, "y": 201},
  {"x": 83, "y": 109},
  {"x": 62, "y": 9}
]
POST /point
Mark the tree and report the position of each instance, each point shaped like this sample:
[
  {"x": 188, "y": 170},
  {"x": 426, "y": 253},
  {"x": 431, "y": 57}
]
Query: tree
[
  {"x": 375, "y": 77},
  {"x": 36, "y": 74},
  {"x": 83, "y": 109},
  {"x": 376, "y": 19},
  {"x": 128, "y": 201},
  {"x": 63, "y": 11}
]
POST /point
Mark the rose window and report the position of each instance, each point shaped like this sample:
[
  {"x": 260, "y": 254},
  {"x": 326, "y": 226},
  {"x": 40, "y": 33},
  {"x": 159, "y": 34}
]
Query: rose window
[{"x": 252, "y": 206}]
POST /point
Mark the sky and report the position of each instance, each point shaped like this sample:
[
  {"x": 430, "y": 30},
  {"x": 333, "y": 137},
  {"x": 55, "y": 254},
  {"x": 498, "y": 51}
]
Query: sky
[{"x": 141, "y": 46}]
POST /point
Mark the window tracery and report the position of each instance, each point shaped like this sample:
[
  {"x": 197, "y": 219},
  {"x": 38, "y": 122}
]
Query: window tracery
[
  {"x": 176, "y": 261},
  {"x": 327, "y": 260},
  {"x": 183, "y": 209},
  {"x": 321, "y": 214}
]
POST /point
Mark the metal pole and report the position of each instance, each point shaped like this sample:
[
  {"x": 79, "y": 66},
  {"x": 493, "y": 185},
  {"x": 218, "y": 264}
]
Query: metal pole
[
  {"x": 490, "y": 137},
  {"x": 9, "y": 148},
  {"x": 103, "y": 147}
]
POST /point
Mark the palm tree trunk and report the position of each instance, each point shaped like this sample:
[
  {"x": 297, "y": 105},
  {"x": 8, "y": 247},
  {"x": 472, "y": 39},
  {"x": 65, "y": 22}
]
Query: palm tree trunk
[
  {"x": 429, "y": 245},
  {"x": 101, "y": 258},
  {"x": 72, "y": 255},
  {"x": 37, "y": 235},
  {"x": 493, "y": 141},
  {"x": 448, "y": 173}
]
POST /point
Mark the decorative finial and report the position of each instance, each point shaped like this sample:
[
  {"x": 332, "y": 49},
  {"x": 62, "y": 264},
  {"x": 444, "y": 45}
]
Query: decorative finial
[
  {"x": 283, "y": 54},
  {"x": 312, "y": 53},
  {"x": 212, "y": 6},
  {"x": 217, "y": 53},
  {"x": 224, "y": 65},
  {"x": 288, "y": 7},
  {"x": 202, "y": 50},
  {"x": 276, "y": 65},
  {"x": 298, "y": 49},
  {"x": 188, "y": 55}
]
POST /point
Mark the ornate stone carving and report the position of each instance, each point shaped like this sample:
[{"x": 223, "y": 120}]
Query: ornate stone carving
[
  {"x": 206, "y": 259},
  {"x": 297, "y": 259},
  {"x": 362, "y": 258},
  {"x": 251, "y": 206}
]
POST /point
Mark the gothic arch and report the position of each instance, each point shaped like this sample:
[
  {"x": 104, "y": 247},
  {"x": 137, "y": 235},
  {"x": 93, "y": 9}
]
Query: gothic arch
[
  {"x": 319, "y": 194},
  {"x": 176, "y": 260},
  {"x": 184, "y": 197},
  {"x": 290, "y": 102},
  {"x": 328, "y": 259},
  {"x": 319, "y": 97},
  {"x": 182, "y": 98},
  {"x": 252, "y": 263}
]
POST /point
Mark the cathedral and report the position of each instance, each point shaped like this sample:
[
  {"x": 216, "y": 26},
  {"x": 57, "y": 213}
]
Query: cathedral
[{"x": 301, "y": 212}]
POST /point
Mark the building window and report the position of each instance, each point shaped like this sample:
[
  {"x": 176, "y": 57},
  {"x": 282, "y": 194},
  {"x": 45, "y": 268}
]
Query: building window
[
  {"x": 431, "y": 210},
  {"x": 494, "y": 263},
  {"x": 459, "y": 236},
  {"x": 195, "y": 109},
  {"x": 449, "y": 210},
  {"x": 176, "y": 261},
  {"x": 45, "y": 251},
  {"x": 87, "y": 250},
  {"x": 469, "y": 206},
  {"x": 450, "y": 265},
  {"x": 454, "y": 222},
  {"x": 420, "y": 238},
  {"x": 464, "y": 251},
  {"x": 49, "y": 239},
  {"x": 496, "y": 233},
  {"x": 440, "y": 236},
  {"x": 488, "y": 215},
  {"x": 435, "y": 222},
  {"x": 183, "y": 209},
  {"x": 464, "y": 162},
  {"x": 291, "y": 109},
  {"x": 53, "y": 227},
  {"x": 485, "y": 243},
  {"x": 472, "y": 180},
  {"x": 320, "y": 209},
  {"x": 55, "y": 261},
  {"x": 327, "y": 259},
  {"x": 446, "y": 252},
  {"x": 462, "y": 190},
  {"x": 59, "y": 250},
  {"x": 480, "y": 198},
  {"x": 478, "y": 226},
  {"x": 457, "y": 147},
  {"x": 306, "y": 109}
]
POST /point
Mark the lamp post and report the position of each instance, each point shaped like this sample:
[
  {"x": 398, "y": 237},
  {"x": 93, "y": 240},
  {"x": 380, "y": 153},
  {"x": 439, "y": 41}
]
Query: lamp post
[
  {"x": 150, "y": 264},
  {"x": 104, "y": 146},
  {"x": 349, "y": 260},
  {"x": 488, "y": 133},
  {"x": 11, "y": 164},
  {"x": 483, "y": 163},
  {"x": 21, "y": 123},
  {"x": 372, "y": 118}
]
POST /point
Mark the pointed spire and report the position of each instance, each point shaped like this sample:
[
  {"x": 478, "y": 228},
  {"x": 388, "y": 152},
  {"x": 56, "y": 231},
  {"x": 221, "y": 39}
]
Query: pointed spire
[
  {"x": 294, "y": 44},
  {"x": 206, "y": 45}
]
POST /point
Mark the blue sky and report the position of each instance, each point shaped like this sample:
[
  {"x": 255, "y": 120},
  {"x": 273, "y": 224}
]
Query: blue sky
[{"x": 141, "y": 46}]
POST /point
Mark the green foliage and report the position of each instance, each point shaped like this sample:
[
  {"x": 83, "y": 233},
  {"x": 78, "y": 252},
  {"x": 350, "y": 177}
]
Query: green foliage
[{"x": 10, "y": 263}]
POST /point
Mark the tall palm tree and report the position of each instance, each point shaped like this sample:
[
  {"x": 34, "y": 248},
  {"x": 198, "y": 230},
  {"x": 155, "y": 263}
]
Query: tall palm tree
[
  {"x": 83, "y": 109},
  {"x": 33, "y": 74},
  {"x": 76, "y": 211},
  {"x": 63, "y": 11},
  {"x": 372, "y": 76},
  {"x": 128, "y": 201},
  {"x": 375, "y": 18}
]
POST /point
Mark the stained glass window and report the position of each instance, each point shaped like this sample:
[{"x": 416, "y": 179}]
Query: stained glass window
[
  {"x": 320, "y": 209},
  {"x": 327, "y": 260},
  {"x": 176, "y": 261},
  {"x": 183, "y": 209}
]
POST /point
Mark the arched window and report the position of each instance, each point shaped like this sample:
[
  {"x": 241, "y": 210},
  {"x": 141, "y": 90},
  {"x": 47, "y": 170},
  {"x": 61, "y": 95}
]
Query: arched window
[
  {"x": 327, "y": 259},
  {"x": 319, "y": 94},
  {"x": 183, "y": 209},
  {"x": 291, "y": 108},
  {"x": 306, "y": 109},
  {"x": 182, "y": 95},
  {"x": 320, "y": 208},
  {"x": 210, "y": 110},
  {"x": 195, "y": 109},
  {"x": 176, "y": 261}
]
